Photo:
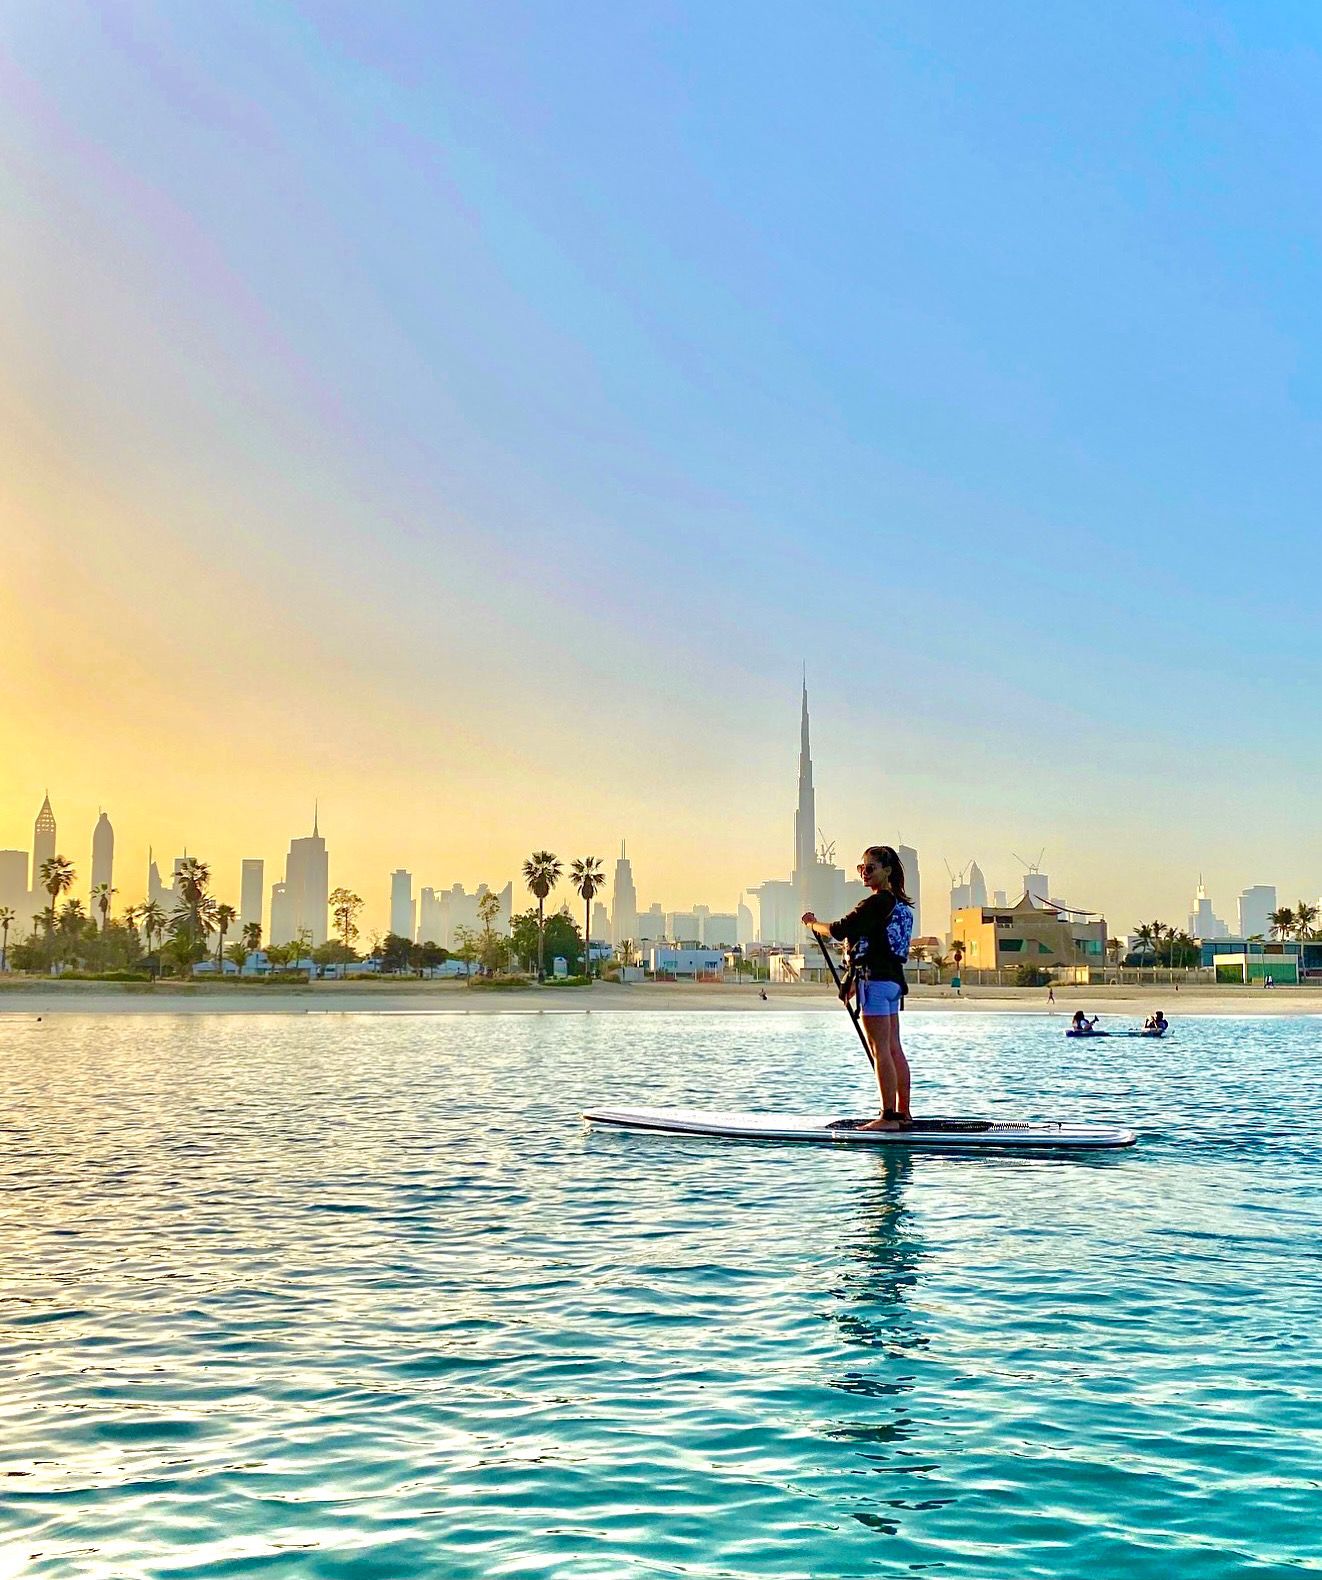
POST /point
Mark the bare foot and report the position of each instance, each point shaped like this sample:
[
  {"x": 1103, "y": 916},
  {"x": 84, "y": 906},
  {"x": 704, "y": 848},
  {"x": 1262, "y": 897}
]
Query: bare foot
[{"x": 881, "y": 1124}]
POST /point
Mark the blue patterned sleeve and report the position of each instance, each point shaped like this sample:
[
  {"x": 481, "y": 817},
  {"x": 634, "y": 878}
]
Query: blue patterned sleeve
[{"x": 899, "y": 930}]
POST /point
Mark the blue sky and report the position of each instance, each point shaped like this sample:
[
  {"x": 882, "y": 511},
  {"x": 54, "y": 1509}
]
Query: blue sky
[{"x": 554, "y": 379}]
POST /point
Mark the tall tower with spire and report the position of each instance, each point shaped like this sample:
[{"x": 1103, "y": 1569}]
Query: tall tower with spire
[
  {"x": 805, "y": 817},
  {"x": 43, "y": 847},
  {"x": 624, "y": 901},
  {"x": 307, "y": 885}
]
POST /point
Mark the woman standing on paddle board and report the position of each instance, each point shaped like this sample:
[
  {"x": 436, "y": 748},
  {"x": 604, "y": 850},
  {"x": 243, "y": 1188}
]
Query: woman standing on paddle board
[{"x": 878, "y": 931}]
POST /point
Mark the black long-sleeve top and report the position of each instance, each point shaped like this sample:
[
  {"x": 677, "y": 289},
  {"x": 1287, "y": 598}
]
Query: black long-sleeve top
[{"x": 864, "y": 929}]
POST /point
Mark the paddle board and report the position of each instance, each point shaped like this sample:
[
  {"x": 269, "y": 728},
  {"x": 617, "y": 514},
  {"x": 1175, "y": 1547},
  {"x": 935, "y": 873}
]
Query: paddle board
[{"x": 947, "y": 1134}]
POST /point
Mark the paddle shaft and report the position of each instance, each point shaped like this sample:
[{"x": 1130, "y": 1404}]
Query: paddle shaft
[{"x": 853, "y": 1013}]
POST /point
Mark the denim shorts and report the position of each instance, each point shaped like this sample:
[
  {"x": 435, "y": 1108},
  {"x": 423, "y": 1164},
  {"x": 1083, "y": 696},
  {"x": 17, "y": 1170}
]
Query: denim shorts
[{"x": 878, "y": 998}]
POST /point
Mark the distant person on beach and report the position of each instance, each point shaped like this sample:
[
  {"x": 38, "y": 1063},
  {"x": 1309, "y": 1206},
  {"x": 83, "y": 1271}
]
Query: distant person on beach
[
  {"x": 878, "y": 931},
  {"x": 1051, "y": 994}
]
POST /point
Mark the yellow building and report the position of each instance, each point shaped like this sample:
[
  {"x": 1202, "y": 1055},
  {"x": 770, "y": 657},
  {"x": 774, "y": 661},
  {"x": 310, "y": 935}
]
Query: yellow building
[{"x": 998, "y": 937}]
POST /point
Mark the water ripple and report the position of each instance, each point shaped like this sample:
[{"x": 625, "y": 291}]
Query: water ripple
[{"x": 360, "y": 1297}]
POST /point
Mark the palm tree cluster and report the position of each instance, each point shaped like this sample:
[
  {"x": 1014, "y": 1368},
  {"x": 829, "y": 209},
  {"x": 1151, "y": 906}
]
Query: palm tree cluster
[
  {"x": 1168, "y": 946},
  {"x": 68, "y": 936},
  {"x": 542, "y": 872},
  {"x": 1296, "y": 922}
]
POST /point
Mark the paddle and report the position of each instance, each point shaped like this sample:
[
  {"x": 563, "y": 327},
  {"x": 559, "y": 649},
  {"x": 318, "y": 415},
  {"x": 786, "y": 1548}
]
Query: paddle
[{"x": 848, "y": 1003}]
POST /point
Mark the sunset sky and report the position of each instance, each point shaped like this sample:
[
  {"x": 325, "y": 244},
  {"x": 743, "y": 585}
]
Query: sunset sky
[{"x": 473, "y": 415}]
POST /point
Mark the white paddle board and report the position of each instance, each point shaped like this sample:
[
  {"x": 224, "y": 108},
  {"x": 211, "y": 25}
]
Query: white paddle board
[{"x": 947, "y": 1134}]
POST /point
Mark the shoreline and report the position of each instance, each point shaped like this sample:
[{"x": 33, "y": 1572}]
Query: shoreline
[{"x": 21, "y": 998}]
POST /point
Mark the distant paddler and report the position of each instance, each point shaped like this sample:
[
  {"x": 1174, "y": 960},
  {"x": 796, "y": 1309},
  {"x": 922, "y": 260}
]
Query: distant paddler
[
  {"x": 1081, "y": 1026},
  {"x": 878, "y": 931}
]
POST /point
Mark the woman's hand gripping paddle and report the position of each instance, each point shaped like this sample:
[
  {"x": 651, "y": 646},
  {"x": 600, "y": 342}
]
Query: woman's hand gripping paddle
[{"x": 844, "y": 998}]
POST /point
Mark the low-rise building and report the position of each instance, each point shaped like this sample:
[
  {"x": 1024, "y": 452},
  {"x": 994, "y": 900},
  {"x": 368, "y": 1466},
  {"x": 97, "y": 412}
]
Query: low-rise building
[
  {"x": 997, "y": 938},
  {"x": 667, "y": 961}
]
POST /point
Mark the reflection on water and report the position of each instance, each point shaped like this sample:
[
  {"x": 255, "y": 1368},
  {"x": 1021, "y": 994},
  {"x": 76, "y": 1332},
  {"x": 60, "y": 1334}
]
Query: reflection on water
[
  {"x": 879, "y": 1262},
  {"x": 358, "y": 1296}
]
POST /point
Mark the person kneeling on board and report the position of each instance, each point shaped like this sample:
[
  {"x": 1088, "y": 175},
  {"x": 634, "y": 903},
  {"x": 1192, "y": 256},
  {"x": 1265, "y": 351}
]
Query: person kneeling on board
[{"x": 878, "y": 931}]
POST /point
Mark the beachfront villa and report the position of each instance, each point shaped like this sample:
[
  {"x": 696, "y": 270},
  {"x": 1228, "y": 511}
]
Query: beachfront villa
[{"x": 1029, "y": 933}]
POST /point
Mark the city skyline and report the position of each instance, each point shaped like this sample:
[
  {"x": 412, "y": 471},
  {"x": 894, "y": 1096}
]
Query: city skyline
[
  {"x": 309, "y": 855},
  {"x": 990, "y": 466}
]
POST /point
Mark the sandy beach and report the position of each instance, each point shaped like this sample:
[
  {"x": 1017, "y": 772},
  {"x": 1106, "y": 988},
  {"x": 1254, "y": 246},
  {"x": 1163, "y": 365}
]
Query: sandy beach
[{"x": 27, "y": 996}]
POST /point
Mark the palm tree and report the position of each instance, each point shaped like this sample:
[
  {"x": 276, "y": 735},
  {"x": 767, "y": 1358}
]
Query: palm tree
[
  {"x": 152, "y": 918},
  {"x": 541, "y": 872},
  {"x": 196, "y": 907},
  {"x": 8, "y": 916},
  {"x": 252, "y": 936},
  {"x": 57, "y": 875},
  {"x": 940, "y": 961},
  {"x": 1304, "y": 917},
  {"x": 957, "y": 954},
  {"x": 587, "y": 877},
  {"x": 625, "y": 949},
  {"x": 224, "y": 915},
  {"x": 1282, "y": 921},
  {"x": 131, "y": 918},
  {"x": 102, "y": 895}
]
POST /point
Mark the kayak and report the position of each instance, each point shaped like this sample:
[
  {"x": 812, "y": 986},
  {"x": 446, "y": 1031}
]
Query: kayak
[{"x": 948, "y": 1133}]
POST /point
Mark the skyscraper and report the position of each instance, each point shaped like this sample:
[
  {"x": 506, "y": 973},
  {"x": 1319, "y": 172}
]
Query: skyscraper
[
  {"x": 817, "y": 885},
  {"x": 103, "y": 858},
  {"x": 401, "y": 904},
  {"x": 283, "y": 930},
  {"x": 14, "y": 892},
  {"x": 43, "y": 848},
  {"x": 307, "y": 882},
  {"x": 251, "y": 883},
  {"x": 158, "y": 891},
  {"x": 431, "y": 919},
  {"x": 1255, "y": 907},
  {"x": 1203, "y": 923},
  {"x": 913, "y": 884},
  {"x": 805, "y": 815},
  {"x": 624, "y": 901},
  {"x": 977, "y": 885}
]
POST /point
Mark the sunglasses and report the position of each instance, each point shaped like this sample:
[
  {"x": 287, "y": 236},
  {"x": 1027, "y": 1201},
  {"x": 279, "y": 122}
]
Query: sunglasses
[{"x": 866, "y": 867}]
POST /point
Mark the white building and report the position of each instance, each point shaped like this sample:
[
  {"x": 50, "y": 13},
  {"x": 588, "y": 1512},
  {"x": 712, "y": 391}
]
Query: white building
[
  {"x": 431, "y": 922},
  {"x": 624, "y": 901},
  {"x": 1254, "y": 908},
  {"x": 1203, "y": 923},
  {"x": 252, "y": 880},
  {"x": 651, "y": 925},
  {"x": 776, "y": 911},
  {"x": 455, "y": 907},
  {"x": 720, "y": 930},
  {"x": 283, "y": 929},
  {"x": 667, "y": 960},
  {"x": 401, "y": 905},
  {"x": 103, "y": 861},
  {"x": 682, "y": 927},
  {"x": 307, "y": 884},
  {"x": 14, "y": 892}
]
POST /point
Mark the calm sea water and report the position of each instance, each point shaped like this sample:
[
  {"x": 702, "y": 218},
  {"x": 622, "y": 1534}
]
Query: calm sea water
[{"x": 343, "y": 1296}]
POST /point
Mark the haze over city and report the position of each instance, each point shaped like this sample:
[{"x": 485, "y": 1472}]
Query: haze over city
[{"x": 483, "y": 451}]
